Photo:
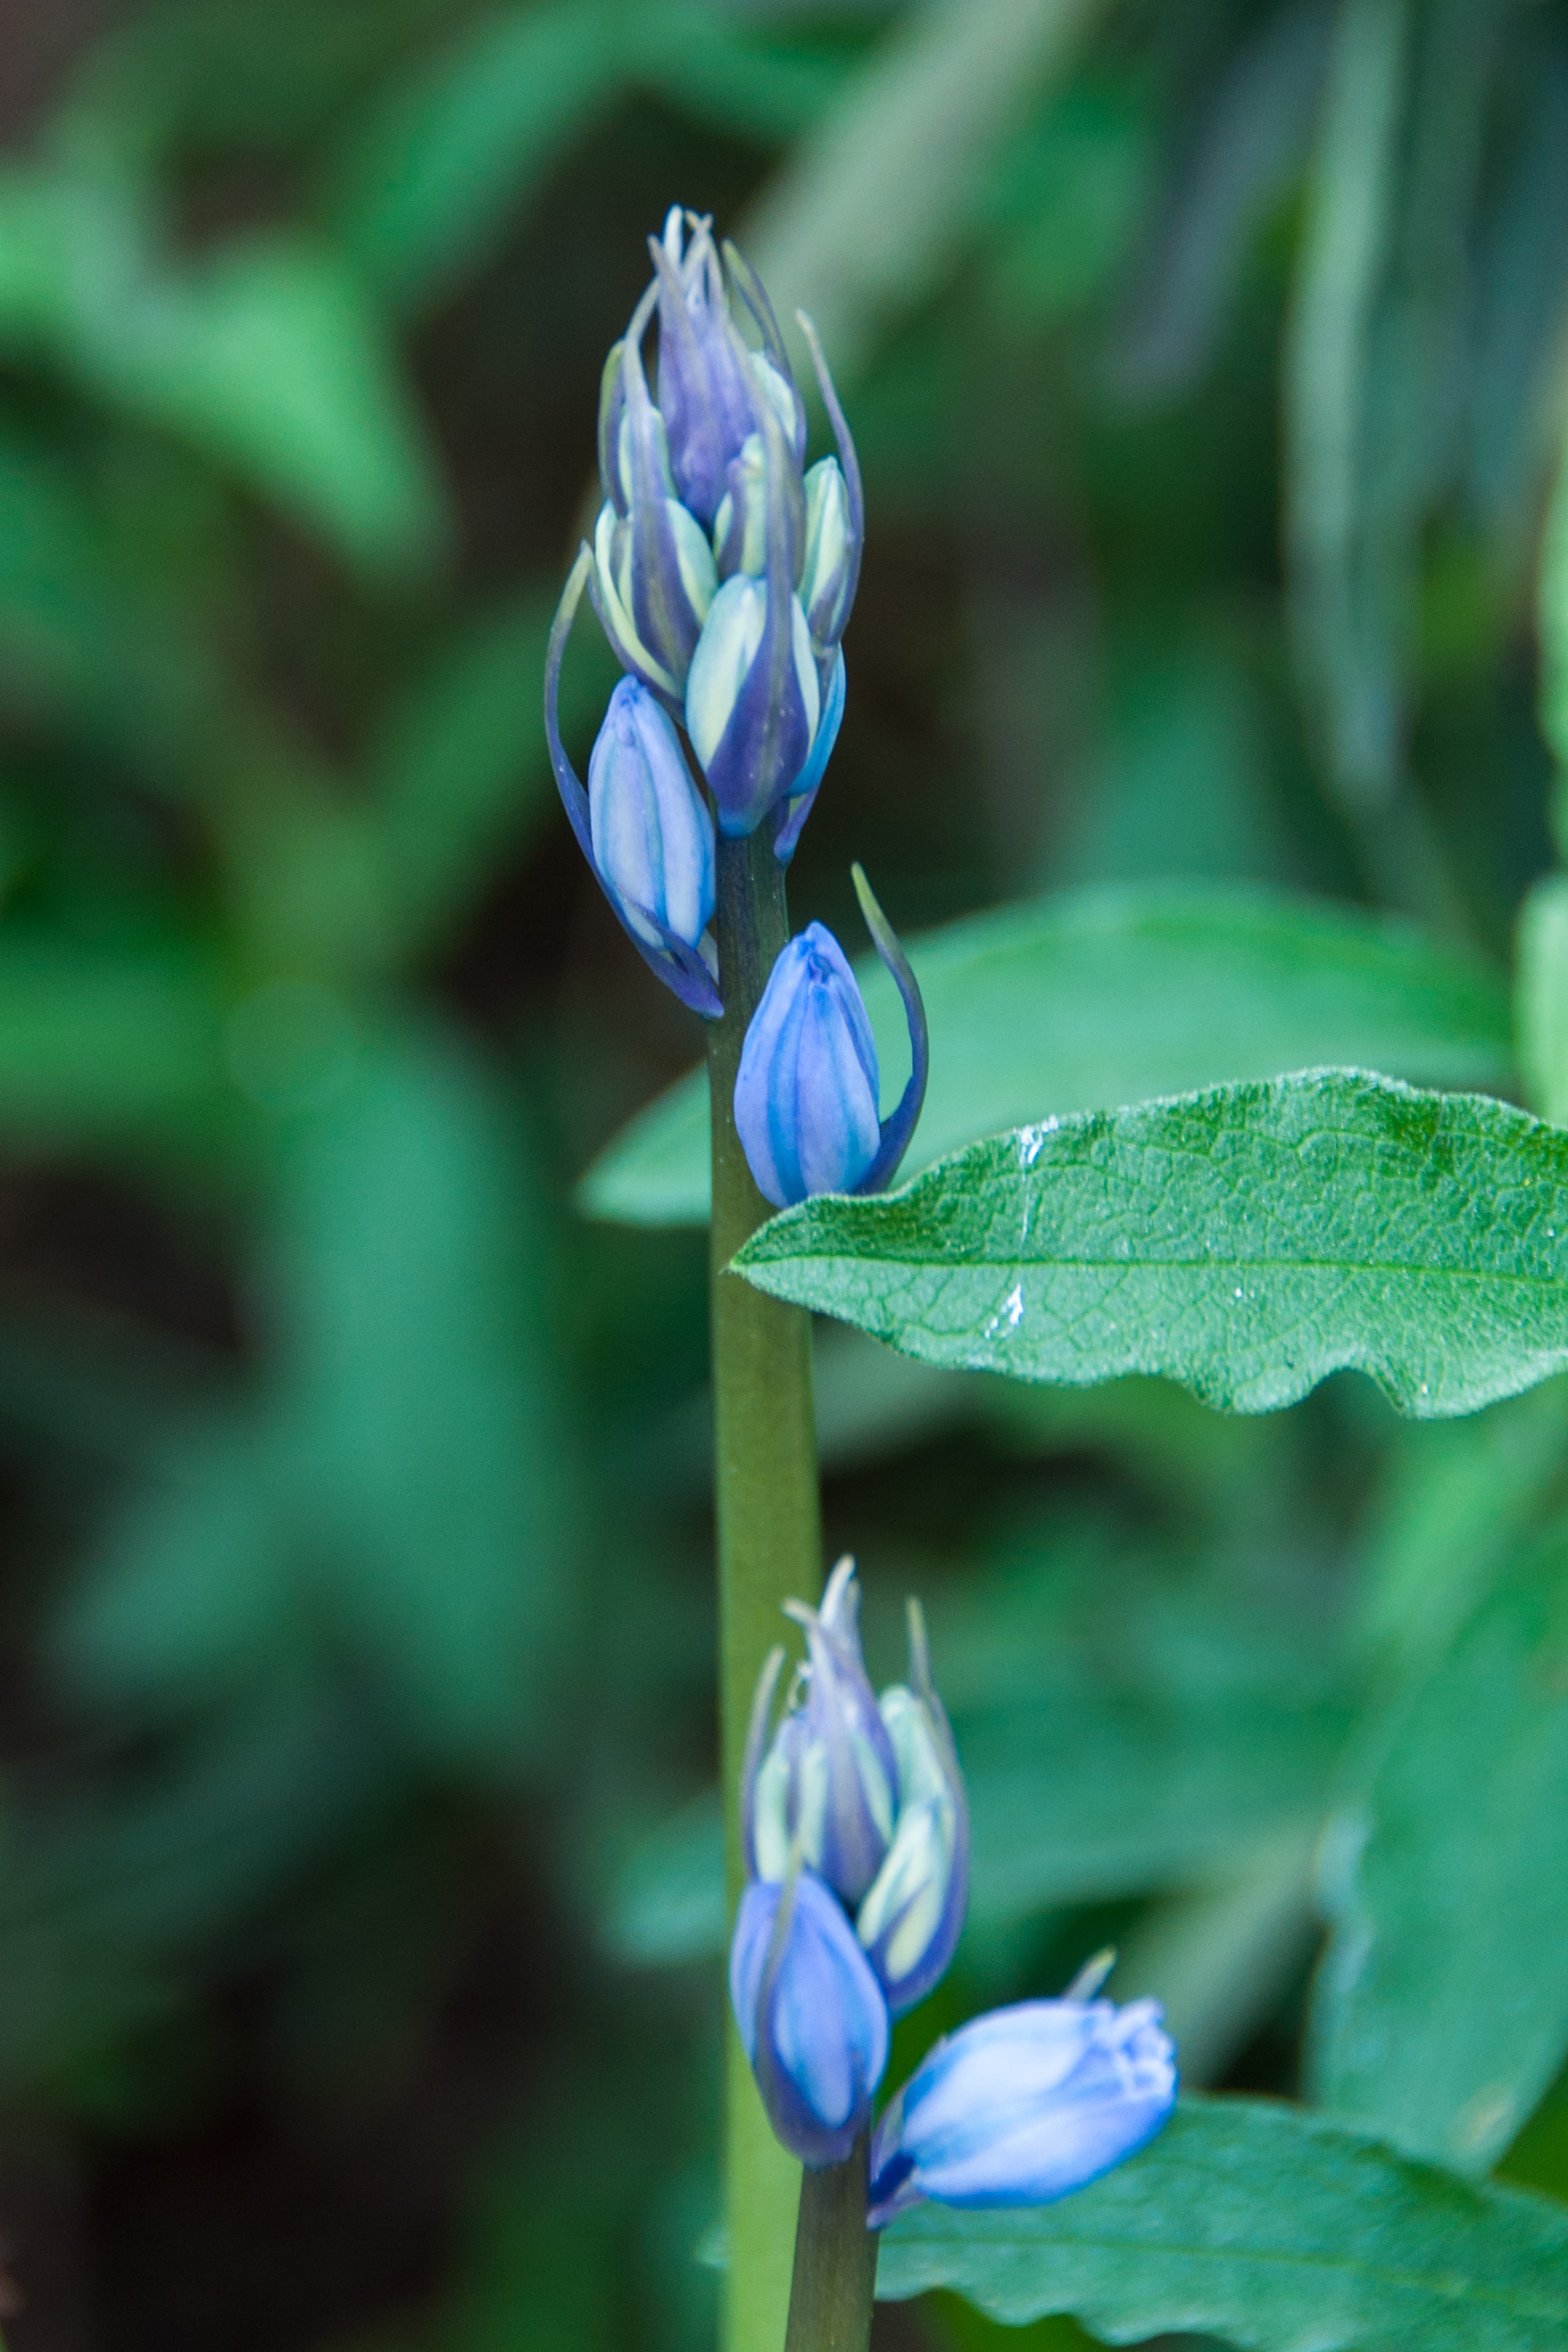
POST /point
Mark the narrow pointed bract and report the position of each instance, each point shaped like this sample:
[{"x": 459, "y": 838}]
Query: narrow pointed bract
[
  {"x": 811, "y": 2014},
  {"x": 1024, "y": 2105}
]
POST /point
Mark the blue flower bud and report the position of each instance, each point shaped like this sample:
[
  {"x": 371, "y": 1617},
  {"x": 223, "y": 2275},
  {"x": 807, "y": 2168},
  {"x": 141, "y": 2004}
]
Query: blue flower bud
[
  {"x": 826, "y": 1787},
  {"x": 833, "y": 559},
  {"x": 740, "y": 526},
  {"x": 650, "y": 827},
  {"x": 1024, "y": 2105},
  {"x": 653, "y": 569},
  {"x": 753, "y": 700},
  {"x": 708, "y": 393},
  {"x": 910, "y": 1919},
  {"x": 645, "y": 832},
  {"x": 806, "y": 1091},
  {"x": 810, "y": 2014}
]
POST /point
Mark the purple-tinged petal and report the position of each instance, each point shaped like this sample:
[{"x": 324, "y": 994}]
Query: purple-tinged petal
[
  {"x": 1025, "y": 2105},
  {"x": 811, "y": 2014},
  {"x": 652, "y": 836},
  {"x": 704, "y": 395},
  {"x": 683, "y": 967},
  {"x": 804, "y": 792},
  {"x": 847, "y": 1768},
  {"x": 805, "y": 1090}
]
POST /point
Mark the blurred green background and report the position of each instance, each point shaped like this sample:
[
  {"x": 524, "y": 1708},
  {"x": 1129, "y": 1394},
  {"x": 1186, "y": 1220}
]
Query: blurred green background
[{"x": 357, "y": 1901}]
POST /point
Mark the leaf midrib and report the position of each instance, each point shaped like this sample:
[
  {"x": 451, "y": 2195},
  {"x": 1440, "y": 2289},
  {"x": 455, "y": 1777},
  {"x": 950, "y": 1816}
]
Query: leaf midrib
[
  {"x": 918, "y": 1264},
  {"x": 1454, "y": 2294}
]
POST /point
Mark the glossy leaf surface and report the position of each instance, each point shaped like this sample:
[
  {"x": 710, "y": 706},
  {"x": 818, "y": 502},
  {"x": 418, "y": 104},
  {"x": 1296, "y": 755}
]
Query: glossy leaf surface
[
  {"x": 1246, "y": 1242},
  {"x": 1442, "y": 2009}
]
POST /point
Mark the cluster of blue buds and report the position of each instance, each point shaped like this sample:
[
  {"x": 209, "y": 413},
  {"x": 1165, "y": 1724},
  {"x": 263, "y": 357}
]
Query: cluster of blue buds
[
  {"x": 723, "y": 572},
  {"x": 856, "y": 1833}
]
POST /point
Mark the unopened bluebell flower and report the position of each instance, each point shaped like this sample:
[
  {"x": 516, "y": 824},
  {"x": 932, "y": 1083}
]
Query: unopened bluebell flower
[
  {"x": 827, "y": 576},
  {"x": 1024, "y": 2105},
  {"x": 912, "y": 1912},
  {"x": 867, "y": 1792},
  {"x": 828, "y": 1785},
  {"x": 811, "y": 2014},
  {"x": 653, "y": 840},
  {"x": 707, "y": 393},
  {"x": 651, "y": 833},
  {"x": 653, "y": 569},
  {"x": 722, "y": 576},
  {"x": 754, "y": 694},
  {"x": 805, "y": 1092}
]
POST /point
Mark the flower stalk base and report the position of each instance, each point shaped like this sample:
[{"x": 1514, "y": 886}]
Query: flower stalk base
[
  {"x": 769, "y": 1542},
  {"x": 835, "y": 2262}
]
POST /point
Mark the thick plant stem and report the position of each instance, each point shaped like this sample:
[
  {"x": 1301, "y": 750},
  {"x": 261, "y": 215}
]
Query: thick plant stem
[
  {"x": 835, "y": 2262},
  {"x": 769, "y": 1545}
]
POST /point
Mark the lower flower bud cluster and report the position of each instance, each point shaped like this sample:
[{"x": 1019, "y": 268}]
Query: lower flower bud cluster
[{"x": 856, "y": 1831}]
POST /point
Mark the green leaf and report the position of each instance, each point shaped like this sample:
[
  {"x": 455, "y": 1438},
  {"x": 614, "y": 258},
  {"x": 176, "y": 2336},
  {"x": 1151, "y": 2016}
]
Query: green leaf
[
  {"x": 271, "y": 358},
  {"x": 429, "y": 177},
  {"x": 1541, "y": 997},
  {"x": 92, "y": 1042},
  {"x": 698, "y": 57},
  {"x": 666, "y": 1902},
  {"x": 1111, "y": 995},
  {"x": 1087, "y": 1794},
  {"x": 267, "y": 356},
  {"x": 1442, "y": 2008},
  {"x": 430, "y": 1444},
  {"x": 457, "y": 770},
  {"x": 398, "y": 1494},
  {"x": 1270, "y": 2228},
  {"x": 1246, "y": 1242},
  {"x": 903, "y": 156}
]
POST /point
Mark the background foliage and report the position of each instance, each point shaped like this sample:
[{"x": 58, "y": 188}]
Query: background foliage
[{"x": 357, "y": 1849}]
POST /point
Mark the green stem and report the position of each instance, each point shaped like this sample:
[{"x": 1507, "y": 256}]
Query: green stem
[
  {"x": 835, "y": 2262},
  {"x": 769, "y": 1545}
]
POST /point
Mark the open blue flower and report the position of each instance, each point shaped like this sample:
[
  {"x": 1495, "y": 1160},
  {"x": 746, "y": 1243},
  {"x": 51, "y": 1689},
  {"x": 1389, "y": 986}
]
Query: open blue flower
[{"x": 1024, "y": 2105}]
